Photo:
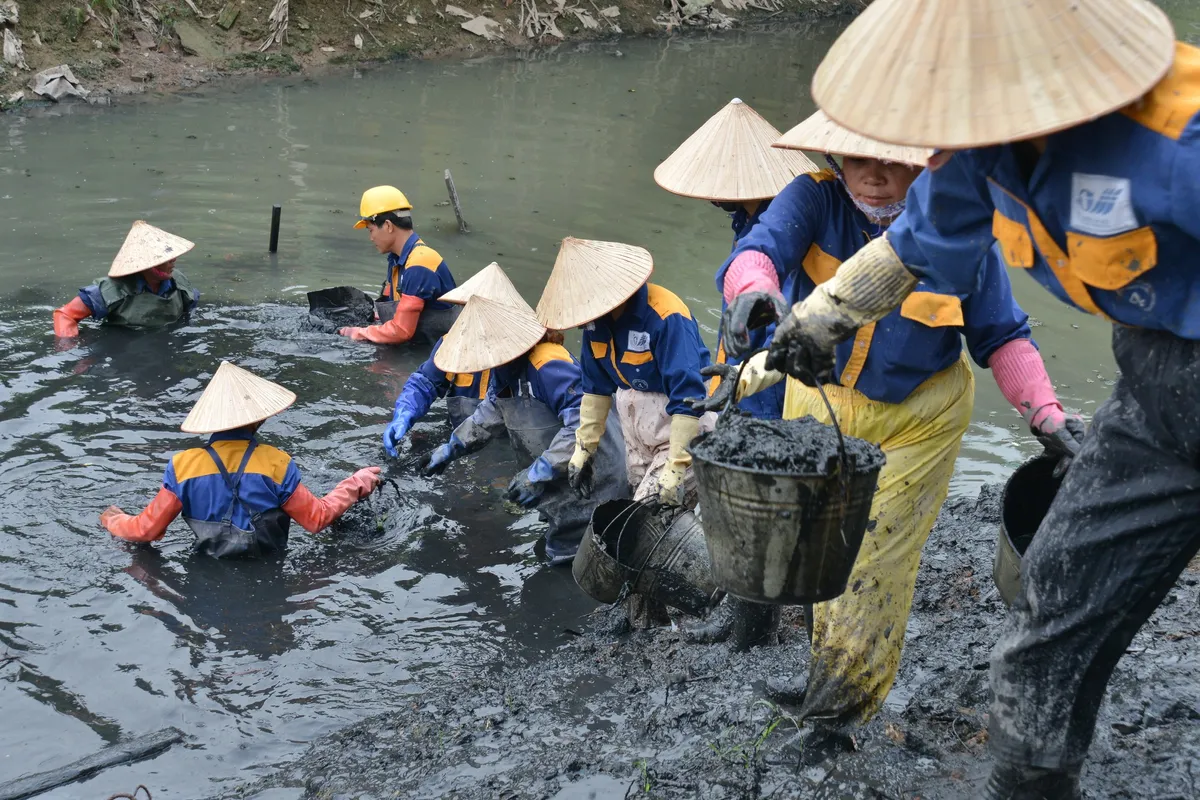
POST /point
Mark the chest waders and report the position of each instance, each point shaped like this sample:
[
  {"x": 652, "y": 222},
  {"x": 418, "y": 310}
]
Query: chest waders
[
  {"x": 460, "y": 409},
  {"x": 138, "y": 310},
  {"x": 532, "y": 426},
  {"x": 268, "y": 529}
]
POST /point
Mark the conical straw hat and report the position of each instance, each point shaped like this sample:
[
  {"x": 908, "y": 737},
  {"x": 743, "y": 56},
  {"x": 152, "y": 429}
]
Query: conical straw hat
[
  {"x": 147, "y": 246},
  {"x": 489, "y": 282},
  {"x": 820, "y": 134},
  {"x": 590, "y": 279},
  {"x": 487, "y": 334},
  {"x": 234, "y": 398},
  {"x": 969, "y": 73},
  {"x": 730, "y": 159}
]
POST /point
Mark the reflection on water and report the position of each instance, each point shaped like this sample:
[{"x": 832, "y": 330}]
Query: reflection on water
[{"x": 253, "y": 660}]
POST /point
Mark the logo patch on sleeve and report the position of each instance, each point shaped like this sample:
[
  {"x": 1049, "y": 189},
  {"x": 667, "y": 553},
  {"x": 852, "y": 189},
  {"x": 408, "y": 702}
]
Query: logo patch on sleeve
[
  {"x": 639, "y": 341},
  {"x": 1101, "y": 205}
]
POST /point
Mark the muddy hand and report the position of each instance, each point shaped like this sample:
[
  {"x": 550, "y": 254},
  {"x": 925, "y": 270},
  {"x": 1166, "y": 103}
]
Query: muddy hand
[
  {"x": 794, "y": 351},
  {"x": 1061, "y": 435},
  {"x": 581, "y": 477},
  {"x": 747, "y": 312},
  {"x": 728, "y": 373}
]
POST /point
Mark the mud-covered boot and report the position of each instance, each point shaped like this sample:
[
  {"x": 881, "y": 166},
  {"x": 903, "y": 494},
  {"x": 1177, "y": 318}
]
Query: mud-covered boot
[
  {"x": 825, "y": 741},
  {"x": 1012, "y": 782},
  {"x": 754, "y": 624},
  {"x": 787, "y": 691},
  {"x": 715, "y": 628}
]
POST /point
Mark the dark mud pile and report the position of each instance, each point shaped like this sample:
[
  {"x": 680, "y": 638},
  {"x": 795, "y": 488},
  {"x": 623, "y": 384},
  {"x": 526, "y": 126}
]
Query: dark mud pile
[
  {"x": 649, "y": 715},
  {"x": 800, "y": 446},
  {"x": 342, "y": 306}
]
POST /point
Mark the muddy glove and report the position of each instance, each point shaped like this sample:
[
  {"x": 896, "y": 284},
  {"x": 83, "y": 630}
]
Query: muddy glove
[
  {"x": 526, "y": 488},
  {"x": 1061, "y": 434},
  {"x": 746, "y": 312},
  {"x": 754, "y": 378},
  {"x": 441, "y": 458},
  {"x": 867, "y": 286},
  {"x": 671, "y": 482},
  {"x": 593, "y": 419}
]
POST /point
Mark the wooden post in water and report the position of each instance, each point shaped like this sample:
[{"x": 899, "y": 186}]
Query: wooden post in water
[
  {"x": 276, "y": 211},
  {"x": 121, "y": 753},
  {"x": 462, "y": 223}
]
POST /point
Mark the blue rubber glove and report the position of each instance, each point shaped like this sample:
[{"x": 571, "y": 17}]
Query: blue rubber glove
[
  {"x": 442, "y": 457},
  {"x": 526, "y": 488},
  {"x": 396, "y": 430}
]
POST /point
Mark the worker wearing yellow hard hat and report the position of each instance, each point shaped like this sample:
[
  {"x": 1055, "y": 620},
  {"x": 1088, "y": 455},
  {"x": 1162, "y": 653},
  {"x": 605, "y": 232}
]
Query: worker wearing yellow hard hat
[
  {"x": 409, "y": 308},
  {"x": 1079, "y": 158}
]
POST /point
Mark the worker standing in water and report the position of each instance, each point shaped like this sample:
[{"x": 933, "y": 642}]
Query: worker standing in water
[
  {"x": 534, "y": 395},
  {"x": 730, "y": 162},
  {"x": 236, "y": 494},
  {"x": 142, "y": 289},
  {"x": 642, "y": 347},
  {"x": 416, "y": 277},
  {"x": 1080, "y": 159},
  {"x": 463, "y": 391},
  {"x": 903, "y": 383}
]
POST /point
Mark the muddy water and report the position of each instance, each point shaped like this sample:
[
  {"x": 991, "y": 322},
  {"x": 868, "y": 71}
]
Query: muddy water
[{"x": 253, "y": 660}]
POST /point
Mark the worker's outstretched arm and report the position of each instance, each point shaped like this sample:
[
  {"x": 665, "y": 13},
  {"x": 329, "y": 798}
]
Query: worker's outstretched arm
[
  {"x": 148, "y": 526},
  {"x": 316, "y": 513},
  {"x": 67, "y": 318},
  {"x": 398, "y": 330}
]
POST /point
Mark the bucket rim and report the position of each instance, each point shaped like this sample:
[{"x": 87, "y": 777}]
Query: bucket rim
[{"x": 783, "y": 474}]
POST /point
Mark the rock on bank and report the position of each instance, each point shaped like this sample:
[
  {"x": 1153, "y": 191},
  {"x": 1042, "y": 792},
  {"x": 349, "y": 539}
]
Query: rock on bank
[{"x": 648, "y": 715}]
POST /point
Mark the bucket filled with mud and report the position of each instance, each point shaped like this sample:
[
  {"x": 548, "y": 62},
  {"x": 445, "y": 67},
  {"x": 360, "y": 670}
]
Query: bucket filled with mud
[
  {"x": 1027, "y": 498},
  {"x": 340, "y": 307},
  {"x": 647, "y": 549},
  {"x": 785, "y": 506}
]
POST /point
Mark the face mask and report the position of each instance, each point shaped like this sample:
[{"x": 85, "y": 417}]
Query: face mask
[
  {"x": 880, "y": 215},
  {"x": 159, "y": 275},
  {"x": 728, "y": 208}
]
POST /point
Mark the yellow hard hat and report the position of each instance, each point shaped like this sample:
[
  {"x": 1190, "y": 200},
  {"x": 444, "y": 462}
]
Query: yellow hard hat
[{"x": 379, "y": 200}]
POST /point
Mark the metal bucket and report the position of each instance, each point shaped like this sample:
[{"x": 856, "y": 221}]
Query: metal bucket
[
  {"x": 656, "y": 551},
  {"x": 342, "y": 306},
  {"x": 1027, "y": 497},
  {"x": 781, "y": 538}
]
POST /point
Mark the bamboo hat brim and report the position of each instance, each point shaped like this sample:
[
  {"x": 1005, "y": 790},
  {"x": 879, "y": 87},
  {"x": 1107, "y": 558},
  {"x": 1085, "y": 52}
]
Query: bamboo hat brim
[
  {"x": 490, "y": 282},
  {"x": 147, "y": 246},
  {"x": 730, "y": 159},
  {"x": 820, "y": 134},
  {"x": 487, "y": 334},
  {"x": 233, "y": 399},
  {"x": 589, "y": 279},
  {"x": 969, "y": 73}
]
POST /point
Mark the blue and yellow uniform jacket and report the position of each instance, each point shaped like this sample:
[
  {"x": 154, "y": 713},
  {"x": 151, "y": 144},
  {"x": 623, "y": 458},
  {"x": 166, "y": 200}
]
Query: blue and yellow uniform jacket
[
  {"x": 767, "y": 404},
  {"x": 1106, "y": 219},
  {"x": 93, "y": 298},
  {"x": 813, "y": 226},
  {"x": 654, "y": 346},
  {"x": 549, "y": 374},
  {"x": 269, "y": 480},
  {"x": 418, "y": 272},
  {"x": 429, "y": 383}
]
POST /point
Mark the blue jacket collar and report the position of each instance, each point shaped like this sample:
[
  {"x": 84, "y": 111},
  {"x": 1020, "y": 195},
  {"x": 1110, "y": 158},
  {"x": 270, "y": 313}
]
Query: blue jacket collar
[{"x": 243, "y": 434}]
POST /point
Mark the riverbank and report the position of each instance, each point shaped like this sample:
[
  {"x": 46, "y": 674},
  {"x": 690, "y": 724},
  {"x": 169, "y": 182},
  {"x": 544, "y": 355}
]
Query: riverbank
[
  {"x": 126, "y": 48},
  {"x": 649, "y": 715}
]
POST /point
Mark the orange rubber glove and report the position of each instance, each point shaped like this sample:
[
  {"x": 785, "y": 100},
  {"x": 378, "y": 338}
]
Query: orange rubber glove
[
  {"x": 397, "y": 330},
  {"x": 148, "y": 526},
  {"x": 316, "y": 513},
  {"x": 66, "y": 319}
]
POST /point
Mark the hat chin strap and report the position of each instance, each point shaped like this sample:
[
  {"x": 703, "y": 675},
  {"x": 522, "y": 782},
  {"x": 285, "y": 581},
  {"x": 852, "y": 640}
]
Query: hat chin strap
[{"x": 880, "y": 215}]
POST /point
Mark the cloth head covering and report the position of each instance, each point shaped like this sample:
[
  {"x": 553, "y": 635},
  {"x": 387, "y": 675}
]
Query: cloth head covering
[
  {"x": 590, "y": 279},
  {"x": 730, "y": 159},
  {"x": 235, "y": 398},
  {"x": 487, "y": 334},
  {"x": 957, "y": 74},
  {"x": 145, "y": 247},
  {"x": 490, "y": 282}
]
